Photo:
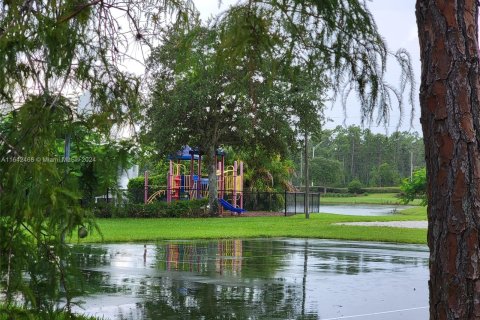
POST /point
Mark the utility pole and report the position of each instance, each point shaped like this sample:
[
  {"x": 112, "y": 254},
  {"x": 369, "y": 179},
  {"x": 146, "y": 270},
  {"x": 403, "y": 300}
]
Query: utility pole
[
  {"x": 307, "y": 184},
  {"x": 313, "y": 150},
  {"x": 411, "y": 165},
  {"x": 301, "y": 166}
]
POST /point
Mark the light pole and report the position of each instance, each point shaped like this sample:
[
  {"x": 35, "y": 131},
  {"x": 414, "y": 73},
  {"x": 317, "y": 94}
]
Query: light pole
[
  {"x": 307, "y": 189},
  {"x": 313, "y": 150},
  {"x": 301, "y": 166},
  {"x": 411, "y": 165},
  {"x": 313, "y": 154}
]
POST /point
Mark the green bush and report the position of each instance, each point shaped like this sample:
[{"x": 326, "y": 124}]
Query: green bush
[
  {"x": 105, "y": 210},
  {"x": 382, "y": 190},
  {"x": 136, "y": 186},
  {"x": 336, "y": 195},
  {"x": 156, "y": 180},
  {"x": 415, "y": 188},
  {"x": 355, "y": 186}
]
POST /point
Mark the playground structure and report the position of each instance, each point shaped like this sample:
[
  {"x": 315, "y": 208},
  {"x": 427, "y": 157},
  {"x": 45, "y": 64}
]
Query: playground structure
[{"x": 185, "y": 180}]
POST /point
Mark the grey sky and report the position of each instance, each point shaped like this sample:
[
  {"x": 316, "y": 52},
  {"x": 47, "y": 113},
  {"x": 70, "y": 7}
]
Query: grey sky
[{"x": 396, "y": 22}]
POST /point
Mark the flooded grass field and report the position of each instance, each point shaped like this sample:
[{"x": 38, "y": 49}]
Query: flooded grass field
[{"x": 255, "y": 279}]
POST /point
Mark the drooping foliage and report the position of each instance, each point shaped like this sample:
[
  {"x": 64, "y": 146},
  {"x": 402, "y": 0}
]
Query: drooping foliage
[
  {"x": 37, "y": 209},
  {"x": 338, "y": 38},
  {"x": 51, "y": 54}
]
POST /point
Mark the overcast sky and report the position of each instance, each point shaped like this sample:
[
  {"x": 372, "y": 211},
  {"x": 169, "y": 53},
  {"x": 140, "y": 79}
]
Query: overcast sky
[{"x": 396, "y": 22}]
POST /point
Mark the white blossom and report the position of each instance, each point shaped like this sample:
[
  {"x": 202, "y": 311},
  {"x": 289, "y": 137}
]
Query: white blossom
[{"x": 257, "y": 77}]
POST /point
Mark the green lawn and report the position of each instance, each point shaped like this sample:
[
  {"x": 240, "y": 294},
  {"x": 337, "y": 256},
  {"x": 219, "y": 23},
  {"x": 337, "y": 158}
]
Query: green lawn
[
  {"x": 318, "y": 226},
  {"x": 374, "y": 198}
]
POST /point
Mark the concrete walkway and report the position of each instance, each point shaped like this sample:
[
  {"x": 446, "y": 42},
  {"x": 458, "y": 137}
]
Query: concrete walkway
[{"x": 394, "y": 224}]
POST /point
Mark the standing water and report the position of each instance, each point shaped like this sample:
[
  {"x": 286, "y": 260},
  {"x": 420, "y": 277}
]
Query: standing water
[
  {"x": 362, "y": 209},
  {"x": 255, "y": 279}
]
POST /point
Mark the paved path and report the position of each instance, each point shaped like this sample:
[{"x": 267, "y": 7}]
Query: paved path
[{"x": 395, "y": 224}]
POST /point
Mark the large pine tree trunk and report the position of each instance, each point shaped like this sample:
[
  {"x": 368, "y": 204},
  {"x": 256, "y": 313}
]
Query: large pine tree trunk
[{"x": 449, "y": 99}]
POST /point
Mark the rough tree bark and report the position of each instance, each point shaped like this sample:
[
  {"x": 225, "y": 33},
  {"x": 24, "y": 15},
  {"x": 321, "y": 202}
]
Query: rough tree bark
[{"x": 449, "y": 100}]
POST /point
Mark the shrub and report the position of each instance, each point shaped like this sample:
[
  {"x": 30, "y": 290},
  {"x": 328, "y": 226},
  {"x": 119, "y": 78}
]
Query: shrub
[
  {"x": 382, "y": 190},
  {"x": 136, "y": 186},
  {"x": 262, "y": 201},
  {"x": 104, "y": 210},
  {"x": 355, "y": 186},
  {"x": 336, "y": 195},
  {"x": 415, "y": 188}
]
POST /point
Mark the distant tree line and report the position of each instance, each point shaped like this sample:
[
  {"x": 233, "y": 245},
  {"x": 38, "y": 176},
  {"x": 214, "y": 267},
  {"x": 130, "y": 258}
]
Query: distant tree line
[{"x": 343, "y": 155}]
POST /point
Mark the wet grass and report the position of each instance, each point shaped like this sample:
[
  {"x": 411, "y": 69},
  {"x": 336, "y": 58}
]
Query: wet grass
[
  {"x": 318, "y": 226},
  {"x": 373, "y": 198},
  {"x": 19, "y": 313}
]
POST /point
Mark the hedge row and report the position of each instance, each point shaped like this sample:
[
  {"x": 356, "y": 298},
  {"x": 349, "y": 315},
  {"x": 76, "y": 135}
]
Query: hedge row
[
  {"x": 382, "y": 190},
  {"x": 336, "y": 195},
  {"x": 178, "y": 209},
  {"x": 154, "y": 180},
  {"x": 339, "y": 193},
  {"x": 364, "y": 189}
]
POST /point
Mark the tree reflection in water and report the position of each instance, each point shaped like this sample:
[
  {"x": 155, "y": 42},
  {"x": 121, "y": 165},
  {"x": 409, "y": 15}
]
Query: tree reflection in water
[
  {"x": 231, "y": 279},
  {"x": 197, "y": 256}
]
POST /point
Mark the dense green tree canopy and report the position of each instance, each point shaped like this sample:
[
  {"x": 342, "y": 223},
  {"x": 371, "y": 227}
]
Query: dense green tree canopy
[
  {"x": 198, "y": 98},
  {"x": 205, "y": 99},
  {"x": 385, "y": 175},
  {"x": 252, "y": 77},
  {"x": 326, "y": 172},
  {"x": 362, "y": 154}
]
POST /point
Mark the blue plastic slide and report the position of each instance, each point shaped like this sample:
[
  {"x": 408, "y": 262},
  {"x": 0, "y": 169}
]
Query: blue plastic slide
[{"x": 229, "y": 207}]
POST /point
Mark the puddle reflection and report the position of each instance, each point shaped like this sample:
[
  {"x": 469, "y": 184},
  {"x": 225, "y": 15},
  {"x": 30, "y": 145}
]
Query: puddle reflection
[
  {"x": 254, "y": 279},
  {"x": 198, "y": 256}
]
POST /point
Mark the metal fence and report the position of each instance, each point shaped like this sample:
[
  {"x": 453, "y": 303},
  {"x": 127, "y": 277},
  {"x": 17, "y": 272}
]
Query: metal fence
[
  {"x": 286, "y": 202},
  {"x": 295, "y": 202}
]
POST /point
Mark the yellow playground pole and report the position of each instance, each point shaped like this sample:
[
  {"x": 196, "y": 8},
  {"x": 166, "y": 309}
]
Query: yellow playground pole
[{"x": 235, "y": 184}]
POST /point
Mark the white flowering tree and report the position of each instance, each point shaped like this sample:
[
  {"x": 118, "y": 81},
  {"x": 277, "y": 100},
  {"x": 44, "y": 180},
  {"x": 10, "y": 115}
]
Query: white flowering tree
[{"x": 202, "y": 97}]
